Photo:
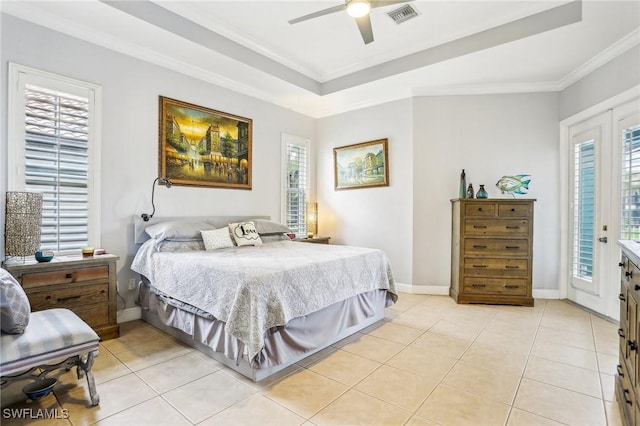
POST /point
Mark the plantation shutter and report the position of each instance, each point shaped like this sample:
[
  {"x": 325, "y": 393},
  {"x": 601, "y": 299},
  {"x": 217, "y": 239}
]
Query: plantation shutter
[
  {"x": 296, "y": 184},
  {"x": 584, "y": 203},
  {"x": 630, "y": 197},
  {"x": 57, "y": 165}
]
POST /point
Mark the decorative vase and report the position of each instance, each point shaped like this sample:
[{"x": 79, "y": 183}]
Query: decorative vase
[
  {"x": 470, "y": 191},
  {"x": 482, "y": 193},
  {"x": 463, "y": 185}
]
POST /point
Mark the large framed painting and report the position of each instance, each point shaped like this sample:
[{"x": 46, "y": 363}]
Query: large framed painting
[
  {"x": 361, "y": 165},
  {"x": 204, "y": 147}
]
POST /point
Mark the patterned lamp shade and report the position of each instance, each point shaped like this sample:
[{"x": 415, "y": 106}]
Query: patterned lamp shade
[
  {"x": 22, "y": 223},
  {"x": 312, "y": 219}
]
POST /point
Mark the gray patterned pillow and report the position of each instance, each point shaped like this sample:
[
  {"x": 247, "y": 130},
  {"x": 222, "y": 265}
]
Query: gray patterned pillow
[{"x": 14, "y": 305}]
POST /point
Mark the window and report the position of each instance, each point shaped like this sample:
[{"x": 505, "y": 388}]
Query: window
[
  {"x": 295, "y": 183},
  {"x": 630, "y": 223},
  {"x": 53, "y": 141},
  {"x": 584, "y": 199}
]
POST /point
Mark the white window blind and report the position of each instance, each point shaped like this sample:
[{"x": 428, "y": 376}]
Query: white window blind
[
  {"x": 56, "y": 164},
  {"x": 584, "y": 202},
  {"x": 54, "y": 136},
  {"x": 630, "y": 197},
  {"x": 296, "y": 186}
]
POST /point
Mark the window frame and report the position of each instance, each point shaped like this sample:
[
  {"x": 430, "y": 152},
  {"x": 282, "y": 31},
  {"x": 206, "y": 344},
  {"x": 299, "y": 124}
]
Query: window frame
[
  {"x": 19, "y": 76},
  {"x": 306, "y": 144}
]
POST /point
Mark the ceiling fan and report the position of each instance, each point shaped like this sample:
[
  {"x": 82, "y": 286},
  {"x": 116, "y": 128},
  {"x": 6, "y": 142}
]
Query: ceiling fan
[{"x": 358, "y": 9}]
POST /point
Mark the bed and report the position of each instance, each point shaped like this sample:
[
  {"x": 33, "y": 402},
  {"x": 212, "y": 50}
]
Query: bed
[{"x": 250, "y": 297}]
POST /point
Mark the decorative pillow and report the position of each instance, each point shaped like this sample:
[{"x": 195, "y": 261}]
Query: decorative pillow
[
  {"x": 268, "y": 227},
  {"x": 245, "y": 234},
  {"x": 14, "y": 305},
  {"x": 178, "y": 230},
  {"x": 217, "y": 239},
  {"x": 175, "y": 246},
  {"x": 271, "y": 238}
]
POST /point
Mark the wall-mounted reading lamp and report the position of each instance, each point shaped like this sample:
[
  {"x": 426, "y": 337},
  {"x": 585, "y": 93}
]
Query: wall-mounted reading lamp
[{"x": 163, "y": 181}]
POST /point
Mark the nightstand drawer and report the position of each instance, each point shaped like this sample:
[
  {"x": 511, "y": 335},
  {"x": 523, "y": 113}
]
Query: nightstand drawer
[
  {"x": 77, "y": 275},
  {"x": 478, "y": 267},
  {"x": 95, "y": 316},
  {"x": 506, "y": 286},
  {"x": 69, "y": 297},
  {"x": 496, "y": 247}
]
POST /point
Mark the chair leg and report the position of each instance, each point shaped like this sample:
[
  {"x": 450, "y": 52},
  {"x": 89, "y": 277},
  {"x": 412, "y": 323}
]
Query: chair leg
[{"x": 85, "y": 367}]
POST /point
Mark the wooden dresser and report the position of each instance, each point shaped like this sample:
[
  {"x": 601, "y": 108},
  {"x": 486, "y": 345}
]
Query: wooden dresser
[
  {"x": 492, "y": 251},
  {"x": 628, "y": 377},
  {"x": 85, "y": 285}
]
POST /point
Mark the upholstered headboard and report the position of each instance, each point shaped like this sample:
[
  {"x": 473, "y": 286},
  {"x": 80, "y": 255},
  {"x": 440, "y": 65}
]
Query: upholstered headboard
[{"x": 217, "y": 221}]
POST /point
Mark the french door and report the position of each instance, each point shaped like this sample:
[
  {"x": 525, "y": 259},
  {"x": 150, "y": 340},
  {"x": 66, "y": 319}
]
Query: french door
[{"x": 604, "y": 204}]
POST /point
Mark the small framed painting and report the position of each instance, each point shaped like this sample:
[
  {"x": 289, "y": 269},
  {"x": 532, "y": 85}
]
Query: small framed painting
[
  {"x": 199, "y": 146},
  {"x": 362, "y": 165}
]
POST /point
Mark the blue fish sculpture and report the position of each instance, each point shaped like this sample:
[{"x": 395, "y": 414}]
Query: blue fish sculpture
[{"x": 518, "y": 184}]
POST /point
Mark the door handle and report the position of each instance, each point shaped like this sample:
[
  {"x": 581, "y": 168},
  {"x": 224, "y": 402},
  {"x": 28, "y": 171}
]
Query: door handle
[{"x": 602, "y": 239}]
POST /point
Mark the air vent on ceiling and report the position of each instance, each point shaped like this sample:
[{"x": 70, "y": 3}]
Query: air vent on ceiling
[{"x": 403, "y": 14}]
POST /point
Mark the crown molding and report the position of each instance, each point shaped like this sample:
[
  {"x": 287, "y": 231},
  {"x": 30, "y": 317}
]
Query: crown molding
[{"x": 607, "y": 55}]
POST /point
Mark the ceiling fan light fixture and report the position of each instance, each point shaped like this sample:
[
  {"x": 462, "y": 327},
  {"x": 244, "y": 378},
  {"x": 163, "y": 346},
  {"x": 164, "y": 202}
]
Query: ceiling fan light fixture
[{"x": 358, "y": 8}]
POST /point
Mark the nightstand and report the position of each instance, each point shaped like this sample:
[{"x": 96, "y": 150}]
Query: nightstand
[
  {"x": 84, "y": 285},
  {"x": 316, "y": 240}
]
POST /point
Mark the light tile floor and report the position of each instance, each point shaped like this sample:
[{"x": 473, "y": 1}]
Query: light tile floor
[{"x": 430, "y": 362}]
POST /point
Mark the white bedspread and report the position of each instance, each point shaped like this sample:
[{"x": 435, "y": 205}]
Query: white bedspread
[{"x": 255, "y": 288}]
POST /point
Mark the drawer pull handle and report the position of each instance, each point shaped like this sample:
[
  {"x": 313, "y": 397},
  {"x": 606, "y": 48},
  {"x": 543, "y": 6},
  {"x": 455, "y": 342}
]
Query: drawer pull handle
[
  {"x": 480, "y": 247},
  {"x": 479, "y": 266},
  {"x": 619, "y": 368},
  {"x": 66, "y": 299},
  {"x": 511, "y": 286},
  {"x": 480, "y": 226},
  {"x": 478, "y": 285},
  {"x": 479, "y": 209},
  {"x": 513, "y": 247},
  {"x": 620, "y": 264},
  {"x": 636, "y": 287},
  {"x": 69, "y": 275},
  {"x": 513, "y": 210},
  {"x": 511, "y": 267},
  {"x": 627, "y": 400},
  {"x": 621, "y": 297},
  {"x": 513, "y": 227},
  {"x": 633, "y": 346},
  {"x": 629, "y": 274},
  {"x": 621, "y": 333}
]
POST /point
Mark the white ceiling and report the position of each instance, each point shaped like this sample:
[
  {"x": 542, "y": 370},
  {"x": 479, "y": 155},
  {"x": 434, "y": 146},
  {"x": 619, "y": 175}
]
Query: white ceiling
[{"x": 321, "y": 67}]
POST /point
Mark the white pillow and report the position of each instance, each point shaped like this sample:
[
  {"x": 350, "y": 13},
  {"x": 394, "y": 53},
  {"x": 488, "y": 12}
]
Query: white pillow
[
  {"x": 245, "y": 234},
  {"x": 178, "y": 230},
  {"x": 217, "y": 238}
]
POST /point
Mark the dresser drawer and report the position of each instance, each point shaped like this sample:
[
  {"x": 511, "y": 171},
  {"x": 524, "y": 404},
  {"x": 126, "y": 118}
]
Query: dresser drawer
[
  {"x": 503, "y": 228},
  {"x": 491, "y": 267},
  {"x": 496, "y": 247},
  {"x": 67, "y": 276},
  {"x": 480, "y": 209},
  {"x": 69, "y": 297},
  {"x": 506, "y": 286},
  {"x": 514, "y": 210}
]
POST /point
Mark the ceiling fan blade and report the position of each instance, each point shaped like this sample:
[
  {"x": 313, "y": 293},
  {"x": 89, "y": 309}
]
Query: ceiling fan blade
[
  {"x": 319, "y": 13},
  {"x": 364, "y": 25},
  {"x": 382, "y": 3}
]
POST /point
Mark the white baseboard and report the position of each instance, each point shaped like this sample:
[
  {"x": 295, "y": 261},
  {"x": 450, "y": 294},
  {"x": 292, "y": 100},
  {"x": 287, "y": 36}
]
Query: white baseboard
[
  {"x": 546, "y": 294},
  {"x": 436, "y": 290},
  {"x": 130, "y": 314},
  {"x": 440, "y": 290}
]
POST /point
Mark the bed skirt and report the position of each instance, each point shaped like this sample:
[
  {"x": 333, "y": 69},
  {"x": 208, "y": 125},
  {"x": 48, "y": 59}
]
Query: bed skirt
[{"x": 284, "y": 346}]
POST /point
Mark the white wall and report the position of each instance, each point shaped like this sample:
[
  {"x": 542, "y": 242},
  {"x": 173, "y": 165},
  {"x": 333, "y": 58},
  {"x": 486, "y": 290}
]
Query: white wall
[
  {"x": 130, "y": 134},
  {"x": 378, "y": 217},
  {"x": 489, "y": 136}
]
